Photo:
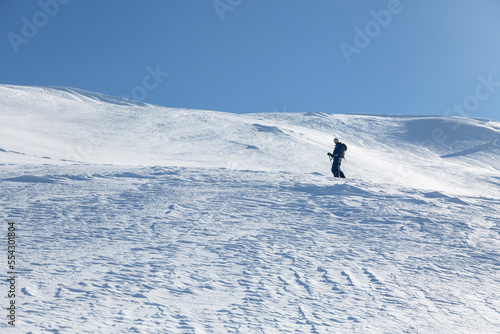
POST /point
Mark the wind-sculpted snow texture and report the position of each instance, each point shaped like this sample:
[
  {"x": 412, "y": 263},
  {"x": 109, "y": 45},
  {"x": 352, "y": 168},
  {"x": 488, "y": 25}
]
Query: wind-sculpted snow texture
[{"x": 181, "y": 221}]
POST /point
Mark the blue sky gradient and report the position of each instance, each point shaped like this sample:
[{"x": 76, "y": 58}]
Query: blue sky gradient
[{"x": 418, "y": 57}]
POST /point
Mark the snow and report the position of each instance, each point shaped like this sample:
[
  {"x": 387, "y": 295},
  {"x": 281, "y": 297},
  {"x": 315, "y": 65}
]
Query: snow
[{"x": 140, "y": 218}]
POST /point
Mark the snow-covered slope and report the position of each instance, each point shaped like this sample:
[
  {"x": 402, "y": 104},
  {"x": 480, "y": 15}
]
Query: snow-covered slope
[
  {"x": 73, "y": 126},
  {"x": 134, "y": 217}
]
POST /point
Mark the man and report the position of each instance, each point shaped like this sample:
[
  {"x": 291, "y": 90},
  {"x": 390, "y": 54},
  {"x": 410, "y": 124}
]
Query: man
[{"x": 337, "y": 158}]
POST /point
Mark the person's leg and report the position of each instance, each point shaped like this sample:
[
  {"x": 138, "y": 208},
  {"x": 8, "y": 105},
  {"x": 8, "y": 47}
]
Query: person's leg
[
  {"x": 335, "y": 167},
  {"x": 339, "y": 172}
]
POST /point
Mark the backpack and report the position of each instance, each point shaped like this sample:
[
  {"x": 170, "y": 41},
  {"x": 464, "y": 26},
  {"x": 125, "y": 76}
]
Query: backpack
[{"x": 343, "y": 151}]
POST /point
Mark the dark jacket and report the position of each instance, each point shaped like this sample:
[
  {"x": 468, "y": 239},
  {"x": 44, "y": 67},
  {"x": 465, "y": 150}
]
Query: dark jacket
[{"x": 338, "y": 151}]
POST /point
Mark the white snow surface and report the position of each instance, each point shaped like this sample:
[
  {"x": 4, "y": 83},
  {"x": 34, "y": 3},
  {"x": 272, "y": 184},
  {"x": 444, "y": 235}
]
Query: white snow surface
[{"x": 135, "y": 218}]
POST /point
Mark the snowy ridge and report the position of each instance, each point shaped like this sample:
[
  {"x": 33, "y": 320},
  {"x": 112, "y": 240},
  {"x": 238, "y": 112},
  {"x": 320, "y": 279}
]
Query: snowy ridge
[
  {"x": 52, "y": 94},
  {"x": 67, "y": 125},
  {"x": 140, "y": 218}
]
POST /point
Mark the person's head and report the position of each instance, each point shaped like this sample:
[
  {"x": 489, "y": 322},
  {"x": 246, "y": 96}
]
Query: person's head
[{"x": 336, "y": 140}]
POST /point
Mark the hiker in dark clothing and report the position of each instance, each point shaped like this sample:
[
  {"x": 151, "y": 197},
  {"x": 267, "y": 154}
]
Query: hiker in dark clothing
[{"x": 337, "y": 155}]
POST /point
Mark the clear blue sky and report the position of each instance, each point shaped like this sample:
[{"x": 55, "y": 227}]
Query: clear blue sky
[{"x": 332, "y": 56}]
